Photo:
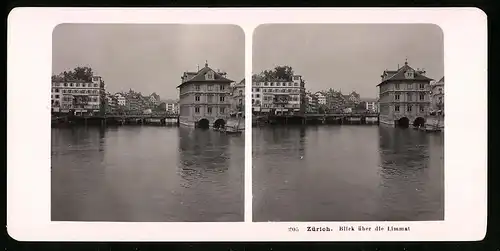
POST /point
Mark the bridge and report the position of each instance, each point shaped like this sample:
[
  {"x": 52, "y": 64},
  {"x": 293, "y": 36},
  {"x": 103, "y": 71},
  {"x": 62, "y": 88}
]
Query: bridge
[
  {"x": 315, "y": 118},
  {"x": 119, "y": 119}
]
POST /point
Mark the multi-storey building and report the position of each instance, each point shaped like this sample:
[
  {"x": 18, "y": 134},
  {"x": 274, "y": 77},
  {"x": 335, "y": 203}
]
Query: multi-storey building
[
  {"x": 404, "y": 97},
  {"x": 121, "y": 100},
  {"x": 312, "y": 103},
  {"x": 437, "y": 96},
  {"x": 77, "y": 96},
  {"x": 321, "y": 98},
  {"x": 111, "y": 103},
  {"x": 172, "y": 106},
  {"x": 238, "y": 98},
  {"x": 279, "y": 96},
  {"x": 154, "y": 99},
  {"x": 370, "y": 104},
  {"x": 204, "y": 98}
]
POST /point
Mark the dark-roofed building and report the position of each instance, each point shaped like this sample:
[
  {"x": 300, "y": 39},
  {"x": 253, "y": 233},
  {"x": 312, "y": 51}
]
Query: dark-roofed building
[
  {"x": 204, "y": 98},
  {"x": 404, "y": 97}
]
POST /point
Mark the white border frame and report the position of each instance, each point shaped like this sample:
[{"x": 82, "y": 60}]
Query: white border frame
[{"x": 29, "y": 45}]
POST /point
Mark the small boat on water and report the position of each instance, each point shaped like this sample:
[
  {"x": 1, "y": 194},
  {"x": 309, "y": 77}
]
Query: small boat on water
[{"x": 233, "y": 129}]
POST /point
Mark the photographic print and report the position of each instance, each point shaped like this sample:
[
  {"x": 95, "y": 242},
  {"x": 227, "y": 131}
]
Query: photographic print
[
  {"x": 147, "y": 123},
  {"x": 348, "y": 122},
  {"x": 234, "y": 124}
]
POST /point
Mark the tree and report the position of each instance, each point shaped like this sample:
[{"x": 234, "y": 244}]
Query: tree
[{"x": 278, "y": 73}]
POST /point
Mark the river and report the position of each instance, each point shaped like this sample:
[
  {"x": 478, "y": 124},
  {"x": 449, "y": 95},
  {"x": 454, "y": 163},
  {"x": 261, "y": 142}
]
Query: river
[
  {"x": 146, "y": 174},
  {"x": 347, "y": 173}
]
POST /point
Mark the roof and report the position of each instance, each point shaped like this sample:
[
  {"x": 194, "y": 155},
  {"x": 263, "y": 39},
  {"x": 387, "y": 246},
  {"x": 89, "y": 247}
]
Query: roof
[
  {"x": 441, "y": 80},
  {"x": 400, "y": 75},
  {"x": 200, "y": 76}
]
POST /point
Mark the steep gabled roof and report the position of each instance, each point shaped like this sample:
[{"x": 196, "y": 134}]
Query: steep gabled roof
[
  {"x": 200, "y": 76},
  {"x": 400, "y": 75}
]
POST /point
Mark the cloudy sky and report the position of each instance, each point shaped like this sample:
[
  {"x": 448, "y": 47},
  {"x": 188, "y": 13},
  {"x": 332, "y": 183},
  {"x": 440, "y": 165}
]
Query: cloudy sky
[
  {"x": 148, "y": 58},
  {"x": 348, "y": 56}
]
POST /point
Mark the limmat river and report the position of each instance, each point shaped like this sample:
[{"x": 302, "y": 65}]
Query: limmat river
[
  {"x": 146, "y": 174},
  {"x": 347, "y": 173}
]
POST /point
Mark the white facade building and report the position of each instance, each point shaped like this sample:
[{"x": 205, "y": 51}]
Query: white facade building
[
  {"x": 77, "y": 96},
  {"x": 122, "y": 101},
  {"x": 278, "y": 96}
]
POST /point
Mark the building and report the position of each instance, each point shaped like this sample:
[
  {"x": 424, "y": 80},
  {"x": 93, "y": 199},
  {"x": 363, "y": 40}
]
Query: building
[
  {"x": 121, "y": 100},
  {"x": 370, "y": 104},
  {"x": 312, "y": 103},
  {"x": 154, "y": 99},
  {"x": 111, "y": 103},
  {"x": 78, "y": 97},
  {"x": 437, "y": 97},
  {"x": 321, "y": 98},
  {"x": 279, "y": 96},
  {"x": 238, "y": 98},
  {"x": 404, "y": 97},
  {"x": 172, "y": 106},
  {"x": 204, "y": 98}
]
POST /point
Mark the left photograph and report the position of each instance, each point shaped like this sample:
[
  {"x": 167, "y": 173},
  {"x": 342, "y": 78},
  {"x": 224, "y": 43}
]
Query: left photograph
[{"x": 147, "y": 123}]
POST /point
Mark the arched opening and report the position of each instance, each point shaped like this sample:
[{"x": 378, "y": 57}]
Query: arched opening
[
  {"x": 403, "y": 122},
  {"x": 220, "y": 123},
  {"x": 419, "y": 122},
  {"x": 203, "y": 123}
]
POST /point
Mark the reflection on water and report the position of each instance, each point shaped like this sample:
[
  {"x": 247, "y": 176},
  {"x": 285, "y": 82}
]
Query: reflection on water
[
  {"x": 146, "y": 174},
  {"x": 347, "y": 173}
]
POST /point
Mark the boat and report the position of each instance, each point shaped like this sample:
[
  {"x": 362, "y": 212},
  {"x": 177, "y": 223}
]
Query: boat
[{"x": 233, "y": 129}]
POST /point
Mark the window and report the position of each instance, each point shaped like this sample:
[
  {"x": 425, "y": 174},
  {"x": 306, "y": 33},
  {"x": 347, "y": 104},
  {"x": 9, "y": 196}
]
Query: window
[
  {"x": 422, "y": 108},
  {"x": 257, "y": 89},
  {"x": 83, "y": 85},
  {"x": 296, "y": 84},
  {"x": 57, "y": 90},
  {"x": 221, "y": 110},
  {"x": 440, "y": 90},
  {"x": 397, "y": 86},
  {"x": 409, "y": 97},
  {"x": 222, "y": 87},
  {"x": 295, "y": 77},
  {"x": 283, "y": 90},
  {"x": 197, "y": 98},
  {"x": 66, "y": 84},
  {"x": 396, "y": 108},
  {"x": 240, "y": 92},
  {"x": 197, "y": 87},
  {"x": 289, "y": 84},
  {"x": 396, "y": 96},
  {"x": 440, "y": 99},
  {"x": 408, "y": 108},
  {"x": 421, "y": 86},
  {"x": 95, "y": 85},
  {"x": 197, "y": 109},
  {"x": 422, "y": 96},
  {"x": 266, "y": 84},
  {"x": 272, "y": 84},
  {"x": 209, "y": 110},
  {"x": 77, "y": 84},
  {"x": 221, "y": 98},
  {"x": 258, "y": 95},
  {"x": 410, "y": 86}
]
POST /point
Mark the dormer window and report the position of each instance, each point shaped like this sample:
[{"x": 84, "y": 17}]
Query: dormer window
[
  {"x": 409, "y": 74},
  {"x": 209, "y": 76}
]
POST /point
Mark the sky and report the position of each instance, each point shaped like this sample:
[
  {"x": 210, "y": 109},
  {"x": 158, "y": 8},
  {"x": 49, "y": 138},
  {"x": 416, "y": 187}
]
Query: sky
[
  {"x": 348, "y": 57},
  {"x": 148, "y": 57}
]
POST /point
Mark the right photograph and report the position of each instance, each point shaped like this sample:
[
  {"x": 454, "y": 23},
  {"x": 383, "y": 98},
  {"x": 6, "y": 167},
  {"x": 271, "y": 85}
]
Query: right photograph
[{"x": 348, "y": 122}]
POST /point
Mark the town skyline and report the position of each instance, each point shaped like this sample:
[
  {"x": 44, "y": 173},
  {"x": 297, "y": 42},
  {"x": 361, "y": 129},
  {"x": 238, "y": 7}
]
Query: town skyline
[
  {"x": 131, "y": 56},
  {"x": 348, "y": 57}
]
